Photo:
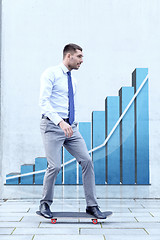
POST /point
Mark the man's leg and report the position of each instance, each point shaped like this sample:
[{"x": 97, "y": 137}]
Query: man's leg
[
  {"x": 53, "y": 138},
  {"x": 77, "y": 147}
]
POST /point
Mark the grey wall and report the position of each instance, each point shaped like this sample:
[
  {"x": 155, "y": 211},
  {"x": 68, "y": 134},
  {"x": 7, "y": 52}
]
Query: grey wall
[{"x": 117, "y": 36}]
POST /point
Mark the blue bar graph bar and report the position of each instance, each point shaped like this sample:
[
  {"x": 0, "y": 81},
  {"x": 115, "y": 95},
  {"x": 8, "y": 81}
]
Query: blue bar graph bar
[
  {"x": 27, "y": 168},
  {"x": 98, "y": 137},
  {"x": 141, "y": 126},
  {"x": 70, "y": 170},
  {"x": 85, "y": 131},
  {"x": 127, "y": 137},
  {"x": 12, "y": 181},
  {"x": 113, "y": 145},
  {"x": 40, "y": 164},
  {"x": 59, "y": 176}
]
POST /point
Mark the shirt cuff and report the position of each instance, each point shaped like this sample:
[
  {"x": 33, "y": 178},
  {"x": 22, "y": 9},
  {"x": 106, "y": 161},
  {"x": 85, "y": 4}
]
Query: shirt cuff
[{"x": 55, "y": 118}]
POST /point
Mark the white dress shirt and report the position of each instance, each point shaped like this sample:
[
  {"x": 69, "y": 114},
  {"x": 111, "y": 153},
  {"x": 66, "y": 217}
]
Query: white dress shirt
[{"x": 54, "y": 101}]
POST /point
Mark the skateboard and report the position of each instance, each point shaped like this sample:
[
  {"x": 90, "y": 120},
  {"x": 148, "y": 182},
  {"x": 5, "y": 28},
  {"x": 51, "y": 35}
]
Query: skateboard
[{"x": 71, "y": 215}]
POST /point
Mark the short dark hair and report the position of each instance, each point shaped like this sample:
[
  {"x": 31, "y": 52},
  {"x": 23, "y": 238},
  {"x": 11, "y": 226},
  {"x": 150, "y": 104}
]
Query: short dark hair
[{"x": 71, "y": 47}]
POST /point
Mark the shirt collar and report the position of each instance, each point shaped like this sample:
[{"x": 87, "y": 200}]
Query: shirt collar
[{"x": 64, "y": 68}]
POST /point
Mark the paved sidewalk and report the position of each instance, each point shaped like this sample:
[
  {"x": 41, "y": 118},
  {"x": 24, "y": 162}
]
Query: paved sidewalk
[{"x": 132, "y": 219}]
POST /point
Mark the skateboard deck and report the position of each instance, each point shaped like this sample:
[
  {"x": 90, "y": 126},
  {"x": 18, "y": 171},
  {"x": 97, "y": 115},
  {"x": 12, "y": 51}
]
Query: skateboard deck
[{"x": 71, "y": 215}]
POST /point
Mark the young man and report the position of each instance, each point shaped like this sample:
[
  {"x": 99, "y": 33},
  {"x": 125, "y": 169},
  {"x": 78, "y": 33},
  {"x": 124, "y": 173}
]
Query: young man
[{"x": 58, "y": 127}]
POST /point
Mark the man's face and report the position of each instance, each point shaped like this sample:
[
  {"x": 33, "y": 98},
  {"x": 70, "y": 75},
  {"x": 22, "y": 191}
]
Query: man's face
[{"x": 75, "y": 59}]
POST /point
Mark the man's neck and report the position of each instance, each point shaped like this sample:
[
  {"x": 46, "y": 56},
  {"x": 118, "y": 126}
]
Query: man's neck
[{"x": 65, "y": 64}]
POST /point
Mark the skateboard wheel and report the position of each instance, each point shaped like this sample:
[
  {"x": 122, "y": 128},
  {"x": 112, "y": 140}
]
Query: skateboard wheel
[
  {"x": 94, "y": 221},
  {"x": 53, "y": 221}
]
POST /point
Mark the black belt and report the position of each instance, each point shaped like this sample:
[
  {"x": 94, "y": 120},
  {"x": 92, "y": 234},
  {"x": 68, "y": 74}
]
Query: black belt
[
  {"x": 45, "y": 117},
  {"x": 65, "y": 119}
]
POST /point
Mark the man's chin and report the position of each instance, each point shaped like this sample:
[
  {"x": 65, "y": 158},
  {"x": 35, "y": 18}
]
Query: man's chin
[{"x": 76, "y": 68}]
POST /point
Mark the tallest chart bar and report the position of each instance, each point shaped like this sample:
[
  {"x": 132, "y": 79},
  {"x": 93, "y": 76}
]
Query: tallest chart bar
[{"x": 141, "y": 126}]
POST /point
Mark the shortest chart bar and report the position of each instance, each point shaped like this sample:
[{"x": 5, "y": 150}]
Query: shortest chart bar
[
  {"x": 113, "y": 145},
  {"x": 85, "y": 131},
  {"x": 40, "y": 164},
  {"x": 127, "y": 137},
  {"x": 98, "y": 137},
  {"x": 13, "y": 181},
  {"x": 27, "y": 168}
]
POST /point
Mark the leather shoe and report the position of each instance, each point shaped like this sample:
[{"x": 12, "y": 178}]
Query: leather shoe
[
  {"x": 45, "y": 210},
  {"x": 94, "y": 210}
]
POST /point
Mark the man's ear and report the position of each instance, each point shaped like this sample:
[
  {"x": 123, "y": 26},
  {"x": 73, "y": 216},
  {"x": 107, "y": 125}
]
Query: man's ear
[{"x": 68, "y": 55}]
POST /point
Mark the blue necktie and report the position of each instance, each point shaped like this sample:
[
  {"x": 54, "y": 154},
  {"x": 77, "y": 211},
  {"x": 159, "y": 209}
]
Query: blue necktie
[{"x": 71, "y": 99}]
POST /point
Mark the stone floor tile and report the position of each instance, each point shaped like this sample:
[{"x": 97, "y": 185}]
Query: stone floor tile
[
  {"x": 143, "y": 210},
  {"x": 155, "y": 231},
  {"x": 155, "y": 213},
  {"x": 69, "y": 224},
  {"x": 68, "y": 237},
  {"x": 15, "y": 209},
  {"x": 6, "y": 230},
  {"x": 48, "y": 231},
  {"x": 34, "y": 218},
  {"x": 141, "y": 214},
  {"x": 130, "y": 225},
  {"x": 10, "y": 219},
  {"x": 16, "y": 237},
  {"x": 112, "y": 231},
  {"x": 131, "y": 237},
  {"x": 121, "y": 219},
  {"x": 151, "y": 205},
  {"x": 19, "y": 224},
  {"x": 148, "y": 219},
  {"x": 17, "y": 214}
]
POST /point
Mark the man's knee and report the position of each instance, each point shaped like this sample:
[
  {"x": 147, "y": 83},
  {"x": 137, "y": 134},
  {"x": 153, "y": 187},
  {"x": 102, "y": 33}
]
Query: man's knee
[
  {"x": 87, "y": 162},
  {"x": 53, "y": 168}
]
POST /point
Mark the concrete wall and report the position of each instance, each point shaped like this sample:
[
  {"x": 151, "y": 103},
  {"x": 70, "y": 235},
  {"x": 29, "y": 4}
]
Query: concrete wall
[{"x": 117, "y": 36}]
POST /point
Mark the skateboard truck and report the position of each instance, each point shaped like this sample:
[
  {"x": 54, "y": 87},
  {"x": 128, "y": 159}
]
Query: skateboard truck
[{"x": 54, "y": 220}]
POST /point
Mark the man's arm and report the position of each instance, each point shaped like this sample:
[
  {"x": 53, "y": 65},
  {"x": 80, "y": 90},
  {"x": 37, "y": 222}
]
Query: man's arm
[{"x": 47, "y": 81}]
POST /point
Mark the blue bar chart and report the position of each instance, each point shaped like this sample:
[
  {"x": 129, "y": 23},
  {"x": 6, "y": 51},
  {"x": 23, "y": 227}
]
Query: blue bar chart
[
  {"x": 59, "y": 176},
  {"x": 123, "y": 155},
  {"x": 113, "y": 146},
  {"x": 14, "y": 181},
  {"x": 141, "y": 127},
  {"x": 127, "y": 136},
  {"x": 98, "y": 136},
  {"x": 70, "y": 171},
  {"x": 27, "y": 168},
  {"x": 40, "y": 164},
  {"x": 85, "y": 131}
]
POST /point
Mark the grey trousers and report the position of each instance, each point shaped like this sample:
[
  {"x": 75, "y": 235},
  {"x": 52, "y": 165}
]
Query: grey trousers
[{"x": 53, "y": 138}]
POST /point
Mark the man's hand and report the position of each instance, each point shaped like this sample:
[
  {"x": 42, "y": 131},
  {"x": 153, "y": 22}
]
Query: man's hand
[{"x": 66, "y": 128}]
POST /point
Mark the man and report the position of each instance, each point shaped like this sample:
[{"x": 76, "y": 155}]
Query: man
[{"x": 58, "y": 127}]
